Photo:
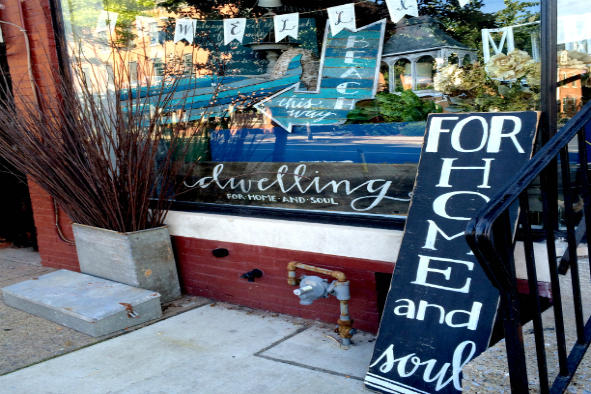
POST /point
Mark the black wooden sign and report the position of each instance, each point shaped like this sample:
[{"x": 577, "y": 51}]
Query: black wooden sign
[{"x": 441, "y": 306}]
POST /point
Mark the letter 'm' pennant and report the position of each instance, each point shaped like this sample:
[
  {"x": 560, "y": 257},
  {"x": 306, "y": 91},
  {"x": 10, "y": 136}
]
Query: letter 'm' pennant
[{"x": 349, "y": 73}]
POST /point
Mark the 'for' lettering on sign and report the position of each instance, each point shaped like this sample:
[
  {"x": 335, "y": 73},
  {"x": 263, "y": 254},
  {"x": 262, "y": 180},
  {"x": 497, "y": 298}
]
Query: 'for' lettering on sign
[{"x": 441, "y": 306}]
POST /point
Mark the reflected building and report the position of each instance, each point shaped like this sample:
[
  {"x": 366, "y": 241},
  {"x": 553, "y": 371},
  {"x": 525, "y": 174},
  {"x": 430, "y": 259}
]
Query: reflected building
[{"x": 416, "y": 50}]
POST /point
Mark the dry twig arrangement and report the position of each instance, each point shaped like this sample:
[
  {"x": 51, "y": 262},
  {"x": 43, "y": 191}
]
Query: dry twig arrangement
[{"x": 109, "y": 157}]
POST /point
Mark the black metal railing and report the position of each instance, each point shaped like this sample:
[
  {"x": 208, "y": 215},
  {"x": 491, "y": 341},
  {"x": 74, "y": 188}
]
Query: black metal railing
[{"x": 492, "y": 240}]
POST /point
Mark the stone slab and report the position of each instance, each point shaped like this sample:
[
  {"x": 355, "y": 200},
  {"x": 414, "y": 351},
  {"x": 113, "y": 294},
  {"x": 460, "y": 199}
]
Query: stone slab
[{"x": 85, "y": 303}]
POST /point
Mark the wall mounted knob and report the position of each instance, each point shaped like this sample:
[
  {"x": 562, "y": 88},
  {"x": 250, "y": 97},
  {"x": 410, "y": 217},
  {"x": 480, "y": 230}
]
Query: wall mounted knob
[{"x": 252, "y": 275}]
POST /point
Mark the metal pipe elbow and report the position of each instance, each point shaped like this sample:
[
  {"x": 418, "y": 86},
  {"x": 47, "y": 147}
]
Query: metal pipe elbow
[{"x": 338, "y": 275}]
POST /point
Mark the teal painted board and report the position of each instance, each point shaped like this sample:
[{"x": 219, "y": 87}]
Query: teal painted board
[
  {"x": 339, "y": 71},
  {"x": 339, "y": 87},
  {"x": 357, "y": 54},
  {"x": 346, "y": 83},
  {"x": 368, "y": 34},
  {"x": 359, "y": 63},
  {"x": 362, "y": 42}
]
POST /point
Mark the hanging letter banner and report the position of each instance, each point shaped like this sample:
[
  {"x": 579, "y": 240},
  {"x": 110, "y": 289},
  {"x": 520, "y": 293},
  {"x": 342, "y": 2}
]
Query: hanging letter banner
[
  {"x": 441, "y": 306},
  {"x": 341, "y": 17},
  {"x": 185, "y": 28},
  {"x": 399, "y": 8},
  {"x": 234, "y": 30},
  {"x": 286, "y": 25}
]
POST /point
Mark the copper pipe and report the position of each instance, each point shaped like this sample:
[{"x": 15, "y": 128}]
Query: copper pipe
[
  {"x": 291, "y": 267},
  {"x": 344, "y": 322}
]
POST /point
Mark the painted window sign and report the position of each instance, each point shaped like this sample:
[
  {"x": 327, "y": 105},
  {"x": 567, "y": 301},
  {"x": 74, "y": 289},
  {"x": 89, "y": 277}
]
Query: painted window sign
[
  {"x": 441, "y": 306},
  {"x": 349, "y": 71}
]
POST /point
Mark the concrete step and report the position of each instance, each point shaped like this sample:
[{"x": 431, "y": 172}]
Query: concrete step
[{"x": 85, "y": 303}]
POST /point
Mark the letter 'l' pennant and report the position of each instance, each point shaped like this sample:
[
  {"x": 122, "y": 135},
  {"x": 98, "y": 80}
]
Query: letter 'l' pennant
[
  {"x": 286, "y": 25},
  {"x": 341, "y": 17},
  {"x": 399, "y": 8},
  {"x": 348, "y": 73}
]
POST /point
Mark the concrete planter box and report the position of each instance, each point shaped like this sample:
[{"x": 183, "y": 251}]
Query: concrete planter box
[{"x": 142, "y": 259}]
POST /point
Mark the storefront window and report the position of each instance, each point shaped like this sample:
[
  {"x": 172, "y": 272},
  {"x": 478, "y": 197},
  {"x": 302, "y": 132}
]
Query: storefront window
[{"x": 274, "y": 145}]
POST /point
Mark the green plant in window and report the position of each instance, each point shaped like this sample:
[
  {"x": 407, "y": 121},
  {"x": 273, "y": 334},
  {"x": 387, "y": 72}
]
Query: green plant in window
[{"x": 390, "y": 108}]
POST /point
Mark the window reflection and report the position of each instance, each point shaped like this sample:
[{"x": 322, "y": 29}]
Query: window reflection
[
  {"x": 403, "y": 75},
  {"x": 484, "y": 57},
  {"x": 426, "y": 68}
]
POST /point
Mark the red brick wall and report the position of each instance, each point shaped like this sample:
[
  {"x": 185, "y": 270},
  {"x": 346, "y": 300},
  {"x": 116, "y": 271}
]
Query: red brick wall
[
  {"x": 54, "y": 252},
  {"x": 37, "y": 17},
  {"x": 219, "y": 278}
]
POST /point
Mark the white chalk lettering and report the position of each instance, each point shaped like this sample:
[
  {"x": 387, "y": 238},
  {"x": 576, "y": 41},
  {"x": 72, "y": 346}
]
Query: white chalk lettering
[
  {"x": 496, "y": 133},
  {"x": 352, "y": 40},
  {"x": 342, "y": 102},
  {"x": 459, "y": 127},
  {"x": 435, "y": 130},
  {"x": 432, "y": 236},
  {"x": 423, "y": 271},
  {"x": 409, "y": 309},
  {"x": 351, "y": 71},
  {"x": 440, "y": 203},
  {"x": 448, "y": 166},
  {"x": 459, "y": 360},
  {"x": 377, "y": 188},
  {"x": 342, "y": 88},
  {"x": 350, "y": 57}
]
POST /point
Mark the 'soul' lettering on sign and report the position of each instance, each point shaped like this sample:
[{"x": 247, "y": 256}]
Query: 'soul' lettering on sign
[{"x": 441, "y": 306}]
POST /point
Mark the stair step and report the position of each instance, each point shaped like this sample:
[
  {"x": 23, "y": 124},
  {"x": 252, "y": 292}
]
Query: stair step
[{"x": 92, "y": 305}]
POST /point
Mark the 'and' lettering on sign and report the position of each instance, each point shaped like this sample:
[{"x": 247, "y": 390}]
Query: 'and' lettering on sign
[{"x": 441, "y": 306}]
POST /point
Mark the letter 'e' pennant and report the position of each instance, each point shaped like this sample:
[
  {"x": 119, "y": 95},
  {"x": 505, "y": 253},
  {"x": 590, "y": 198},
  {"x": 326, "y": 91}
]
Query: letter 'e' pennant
[{"x": 349, "y": 72}]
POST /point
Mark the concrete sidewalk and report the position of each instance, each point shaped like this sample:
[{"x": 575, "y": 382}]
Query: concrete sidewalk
[
  {"x": 217, "y": 348},
  {"x": 199, "y": 346}
]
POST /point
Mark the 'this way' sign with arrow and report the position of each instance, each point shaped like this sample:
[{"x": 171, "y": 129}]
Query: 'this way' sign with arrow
[{"x": 349, "y": 71}]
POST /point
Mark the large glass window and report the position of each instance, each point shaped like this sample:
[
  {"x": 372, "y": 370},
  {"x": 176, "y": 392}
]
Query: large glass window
[{"x": 271, "y": 144}]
